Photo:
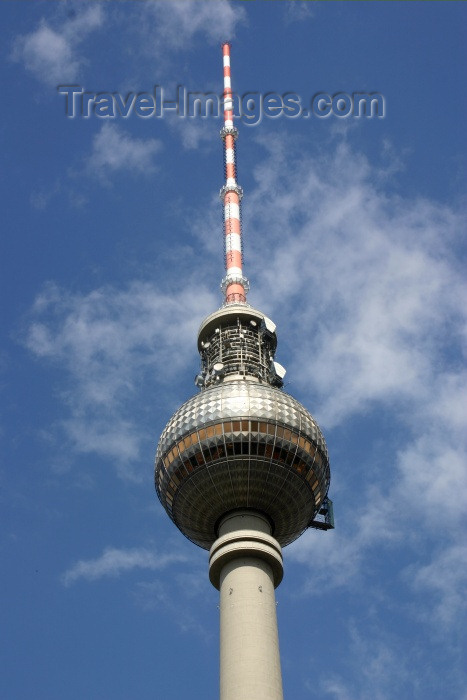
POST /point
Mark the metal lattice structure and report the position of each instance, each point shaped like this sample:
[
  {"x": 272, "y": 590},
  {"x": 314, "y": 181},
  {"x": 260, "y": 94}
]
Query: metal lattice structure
[{"x": 234, "y": 343}]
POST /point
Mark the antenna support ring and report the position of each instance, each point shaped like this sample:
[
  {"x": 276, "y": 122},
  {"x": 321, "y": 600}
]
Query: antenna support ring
[
  {"x": 231, "y": 188},
  {"x": 229, "y": 130}
]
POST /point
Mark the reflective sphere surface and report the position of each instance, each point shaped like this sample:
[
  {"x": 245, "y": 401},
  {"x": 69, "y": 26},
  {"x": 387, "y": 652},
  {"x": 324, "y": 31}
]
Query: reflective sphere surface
[{"x": 241, "y": 444}]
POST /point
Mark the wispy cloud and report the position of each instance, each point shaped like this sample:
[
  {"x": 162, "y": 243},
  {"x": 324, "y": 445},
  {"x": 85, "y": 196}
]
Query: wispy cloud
[
  {"x": 112, "y": 341},
  {"x": 114, "y": 150},
  {"x": 175, "y": 600},
  {"x": 378, "y": 669},
  {"x": 177, "y": 23},
  {"x": 51, "y": 53},
  {"x": 158, "y": 596},
  {"x": 114, "y": 562},
  {"x": 379, "y": 272},
  {"x": 298, "y": 11},
  {"x": 445, "y": 580},
  {"x": 378, "y": 328},
  {"x": 192, "y": 133}
]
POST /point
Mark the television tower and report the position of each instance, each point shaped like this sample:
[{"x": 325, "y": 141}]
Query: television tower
[{"x": 242, "y": 468}]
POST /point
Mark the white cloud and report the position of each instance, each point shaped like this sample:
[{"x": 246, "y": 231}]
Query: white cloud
[
  {"x": 51, "y": 52},
  {"x": 380, "y": 668},
  {"x": 377, "y": 329},
  {"x": 54, "y": 54},
  {"x": 111, "y": 343},
  {"x": 371, "y": 274},
  {"x": 339, "y": 558},
  {"x": 192, "y": 133},
  {"x": 445, "y": 579},
  {"x": 379, "y": 307},
  {"x": 298, "y": 10},
  {"x": 176, "y": 600},
  {"x": 114, "y": 561},
  {"x": 41, "y": 198},
  {"x": 333, "y": 687},
  {"x": 113, "y": 150},
  {"x": 175, "y": 24}
]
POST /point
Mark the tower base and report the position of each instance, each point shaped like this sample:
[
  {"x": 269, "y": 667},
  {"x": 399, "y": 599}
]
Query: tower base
[{"x": 246, "y": 566}]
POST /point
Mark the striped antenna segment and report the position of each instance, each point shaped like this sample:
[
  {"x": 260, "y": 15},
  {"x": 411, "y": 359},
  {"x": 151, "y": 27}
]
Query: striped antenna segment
[{"x": 234, "y": 285}]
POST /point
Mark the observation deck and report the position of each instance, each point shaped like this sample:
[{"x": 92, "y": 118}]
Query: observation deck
[{"x": 241, "y": 442}]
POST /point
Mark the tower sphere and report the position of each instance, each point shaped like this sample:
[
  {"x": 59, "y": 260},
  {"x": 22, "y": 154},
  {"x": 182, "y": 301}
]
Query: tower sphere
[{"x": 242, "y": 442}]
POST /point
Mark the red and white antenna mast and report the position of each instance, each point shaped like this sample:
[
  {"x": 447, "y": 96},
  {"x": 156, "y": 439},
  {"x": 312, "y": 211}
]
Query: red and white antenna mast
[{"x": 234, "y": 285}]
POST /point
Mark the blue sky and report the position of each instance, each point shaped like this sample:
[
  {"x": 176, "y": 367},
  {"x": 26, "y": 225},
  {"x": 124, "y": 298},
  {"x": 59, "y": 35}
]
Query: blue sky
[{"x": 112, "y": 255}]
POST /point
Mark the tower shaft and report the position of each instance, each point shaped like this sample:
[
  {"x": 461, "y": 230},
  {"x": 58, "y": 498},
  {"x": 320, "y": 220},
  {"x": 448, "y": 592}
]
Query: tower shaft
[{"x": 246, "y": 565}]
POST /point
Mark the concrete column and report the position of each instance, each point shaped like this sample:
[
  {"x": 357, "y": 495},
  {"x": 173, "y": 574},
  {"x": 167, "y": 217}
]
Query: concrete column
[{"x": 246, "y": 565}]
